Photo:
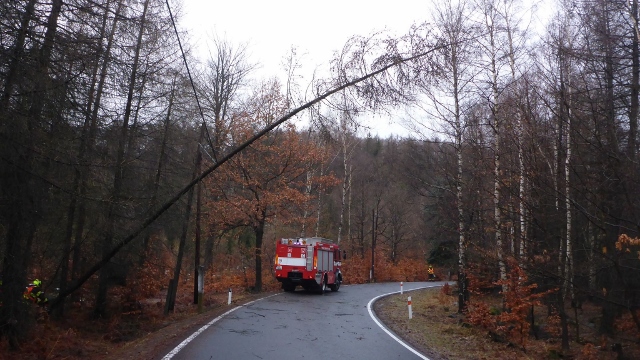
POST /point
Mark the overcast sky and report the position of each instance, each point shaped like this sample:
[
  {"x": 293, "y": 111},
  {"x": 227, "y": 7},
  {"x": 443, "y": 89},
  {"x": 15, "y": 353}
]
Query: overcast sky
[{"x": 316, "y": 29}]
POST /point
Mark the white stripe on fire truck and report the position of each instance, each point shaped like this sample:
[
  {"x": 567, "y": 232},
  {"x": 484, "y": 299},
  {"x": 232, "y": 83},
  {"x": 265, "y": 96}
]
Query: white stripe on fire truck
[{"x": 292, "y": 261}]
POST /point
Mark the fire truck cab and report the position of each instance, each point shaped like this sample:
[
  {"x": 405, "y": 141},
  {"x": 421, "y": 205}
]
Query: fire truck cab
[{"x": 313, "y": 263}]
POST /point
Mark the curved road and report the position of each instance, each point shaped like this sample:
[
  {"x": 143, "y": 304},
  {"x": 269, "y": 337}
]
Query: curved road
[{"x": 302, "y": 325}]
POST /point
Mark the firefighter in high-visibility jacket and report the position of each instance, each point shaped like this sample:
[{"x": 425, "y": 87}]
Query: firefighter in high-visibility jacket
[
  {"x": 34, "y": 293},
  {"x": 432, "y": 275}
]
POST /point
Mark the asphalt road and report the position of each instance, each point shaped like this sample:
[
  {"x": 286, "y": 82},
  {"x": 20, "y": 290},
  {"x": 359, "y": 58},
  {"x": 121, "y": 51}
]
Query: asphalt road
[{"x": 302, "y": 325}]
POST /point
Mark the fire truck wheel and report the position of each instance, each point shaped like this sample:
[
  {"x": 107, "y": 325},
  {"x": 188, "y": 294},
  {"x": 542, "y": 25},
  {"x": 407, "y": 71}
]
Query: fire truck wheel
[
  {"x": 288, "y": 287},
  {"x": 336, "y": 286}
]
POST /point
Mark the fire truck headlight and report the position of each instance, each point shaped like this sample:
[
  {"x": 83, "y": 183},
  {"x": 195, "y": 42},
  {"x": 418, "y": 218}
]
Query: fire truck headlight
[{"x": 279, "y": 267}]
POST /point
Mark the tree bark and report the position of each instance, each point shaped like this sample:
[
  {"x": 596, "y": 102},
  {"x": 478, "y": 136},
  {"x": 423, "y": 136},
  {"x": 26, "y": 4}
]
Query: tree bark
[
  {"x": 171, "y": 294},
  {"x": 635, "y": 84},
  {"x": 17, "y": 56},
  {"x": 156, "y": 181},
  {"x": 259, "y": 232},
  {"x": 88, "y": 142},
  {"x": 119, "y": 168},
  {"x": 196, "y": 265},
  {"x": 568, "y": 268},
  {"x": 22, "y": 195},
  {"x": 79, "y": 174},
  {"x": 497, "y": 134},
  {"x": 345, "y": 168}
]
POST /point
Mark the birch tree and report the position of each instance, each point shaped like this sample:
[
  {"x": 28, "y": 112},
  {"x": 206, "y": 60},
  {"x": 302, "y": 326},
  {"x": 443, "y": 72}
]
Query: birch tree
[
  {"x": 489, "y": 19},
  {"x": 511, "y": 14},
  {"x": 449, "y": 99}
]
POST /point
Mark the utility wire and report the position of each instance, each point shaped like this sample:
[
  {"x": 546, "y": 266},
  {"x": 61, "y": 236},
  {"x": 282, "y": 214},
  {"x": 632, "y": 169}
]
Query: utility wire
[
  {"x": 77, "y": 283},
  {"x": 184, "y": 58}
]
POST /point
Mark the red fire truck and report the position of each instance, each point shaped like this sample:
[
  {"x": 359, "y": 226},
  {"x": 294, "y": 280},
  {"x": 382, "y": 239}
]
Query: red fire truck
[{"x": 313, "y": 263}]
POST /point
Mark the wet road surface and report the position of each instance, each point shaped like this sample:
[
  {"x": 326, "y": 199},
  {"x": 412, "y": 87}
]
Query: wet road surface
[{"x": 302, "y": 325}]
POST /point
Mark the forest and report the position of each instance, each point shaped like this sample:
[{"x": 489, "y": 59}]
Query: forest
[{"x": 128, "y": 165}]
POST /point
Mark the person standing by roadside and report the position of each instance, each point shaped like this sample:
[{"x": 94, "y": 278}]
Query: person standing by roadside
[{"x": 34, "y": 293}]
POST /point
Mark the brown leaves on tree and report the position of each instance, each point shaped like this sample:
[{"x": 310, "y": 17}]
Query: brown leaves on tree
[
  {"x": 511, "y": 321},
  {"x": 269, "y": 178},
  {"x": 625, "y": 243}
]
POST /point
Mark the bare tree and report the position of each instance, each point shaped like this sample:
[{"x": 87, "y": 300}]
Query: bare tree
[
  {"x": 101, "y": 296},
  {"x": 226, "y": 74},
  {"x": 448, "y": 98},
  {"x": 489, "y": 18},
  {"x": 21, "y": 191}
]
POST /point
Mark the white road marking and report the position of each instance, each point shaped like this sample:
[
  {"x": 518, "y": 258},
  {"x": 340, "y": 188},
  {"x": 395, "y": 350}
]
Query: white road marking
[
  {"x": 373, "y": 316},
  {"x": 186, "y": 341}
]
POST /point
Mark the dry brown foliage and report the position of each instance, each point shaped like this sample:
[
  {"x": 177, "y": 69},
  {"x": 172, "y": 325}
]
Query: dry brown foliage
[
  {"x": 511, "y": 320},
  {"x": 442, "y": 334},
  {"x": 356, "y": 269}
]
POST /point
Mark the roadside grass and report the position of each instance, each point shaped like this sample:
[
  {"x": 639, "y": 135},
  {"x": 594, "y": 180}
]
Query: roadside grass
[{"x": 439, "y": 332}]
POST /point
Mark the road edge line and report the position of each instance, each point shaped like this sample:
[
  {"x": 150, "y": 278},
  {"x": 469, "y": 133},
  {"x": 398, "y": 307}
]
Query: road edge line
[
  {"x": 186, "y": 341},
  {"x": 389, "y": 332}
]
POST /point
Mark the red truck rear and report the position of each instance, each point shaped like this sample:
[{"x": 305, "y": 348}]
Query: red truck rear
[{"x": 313, "y": 263}]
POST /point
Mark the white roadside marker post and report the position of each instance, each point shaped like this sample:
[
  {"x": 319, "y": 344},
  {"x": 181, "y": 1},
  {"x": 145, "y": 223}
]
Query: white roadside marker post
[
  {"x": 200, "y": 288},
  {"x": 410, "y": 311},
  {"x": 401, "y": 290},
  {"x": 229, "y": 301}
]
